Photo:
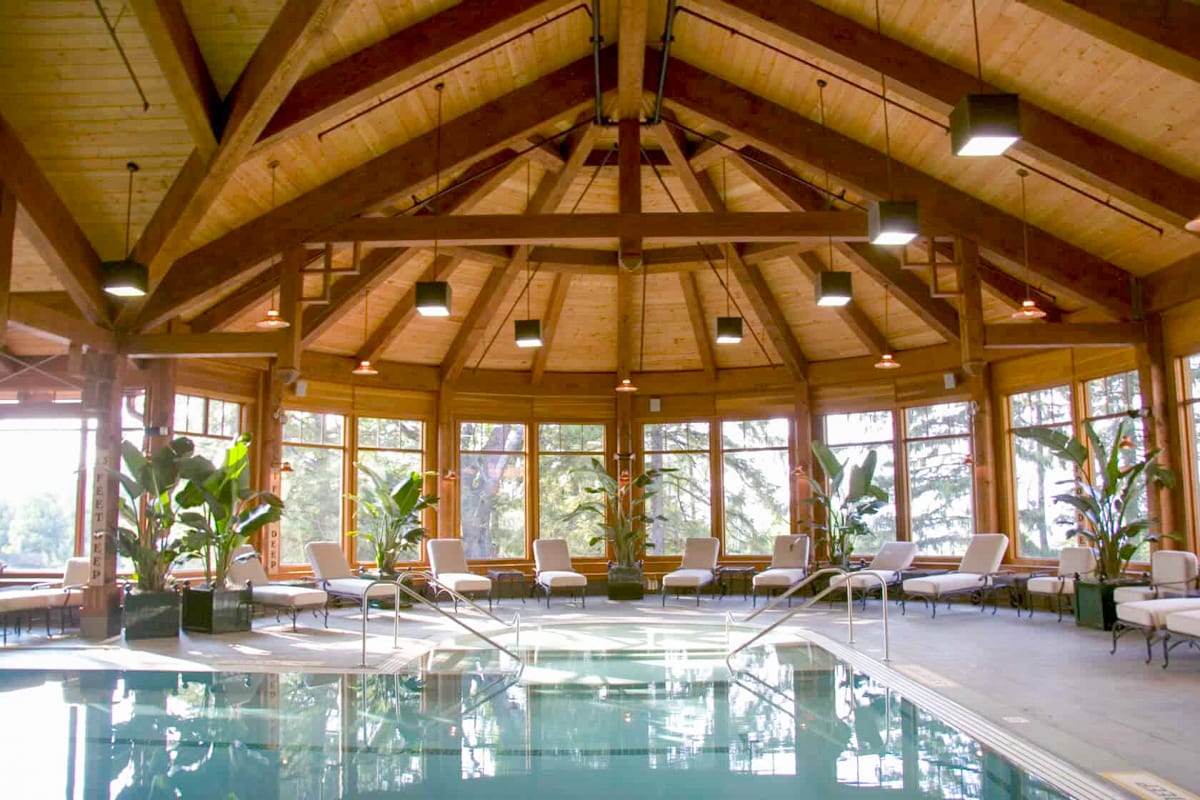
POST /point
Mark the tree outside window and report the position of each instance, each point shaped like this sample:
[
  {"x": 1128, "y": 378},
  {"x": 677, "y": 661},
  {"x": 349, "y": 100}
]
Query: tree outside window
[
  {"x": 314, "y": 446},
  {"x": 491, "y": 487},
  {"x": 1109, "y": 400},
  {"x": 563, "y": 449},
  {"x": 756, "y": 482},
  {"x": 685, "y": 499},
  {"x": 393, "y": 449},
  {"x": 210, "y": 423},
  {"x": 851, "y": 437},
  {"x": 1038, "y": 475},
  {"x": 940, "y": 497}
]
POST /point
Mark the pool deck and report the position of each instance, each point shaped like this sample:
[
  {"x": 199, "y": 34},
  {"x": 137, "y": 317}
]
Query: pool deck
[{"x": 1051, "y": 683}]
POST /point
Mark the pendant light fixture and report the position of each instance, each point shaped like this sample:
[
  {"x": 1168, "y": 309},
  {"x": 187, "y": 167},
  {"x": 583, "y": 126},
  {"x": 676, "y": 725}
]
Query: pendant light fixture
[
  {"x": 1029, "y": 309},
  {"x": 126, "y": 278},
  {"x": 887, "y": 360},
  {"x": 273, "y": 320},
  {"x": 729, "y": 327},
  {"x": 528, "y": 331},
  {"x": 364, "y": 365},
  {"x": 891, "y": 221},
  {"x": 433, "y": 296},
  {"x": 834, "y": 288},
  {"x": 984, "y": 124}
]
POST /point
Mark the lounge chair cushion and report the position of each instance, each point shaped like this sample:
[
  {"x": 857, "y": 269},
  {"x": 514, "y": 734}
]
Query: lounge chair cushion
[
  {"x": 1133, "y": 594},
  {"x": 1153, "y": 613},
  {"x": 894, "y": 556},
  {"x": 27, "y": 599},
  {"x": 688, "y": 578},
  {"x": 1048, "y": 584},
  {"x": 863, "y": 580},
  {"x": 1185, "y": 622},
  {"x": 561, "y": 579},
  {"x": 777, "y": 578},
  {"x": 288, "y": 596},
  {"x": 790, "y": 552},
  {"x": 464, "y": 582},
  {"x": 327, "y": 560},
  {"x": 553, "y": 561},
  {"x": 937, "y": 585},
  {"x": 700, "y": 552},
  {"x": 356, "y": 587},
  {"x": 984, "y": 553},
  {"x": 446, "y": 555},
  {"x": 1173, "y": 572}
]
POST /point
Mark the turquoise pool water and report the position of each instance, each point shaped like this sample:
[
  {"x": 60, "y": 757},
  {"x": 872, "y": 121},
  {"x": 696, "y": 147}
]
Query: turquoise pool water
[{"x": 634, "y": 722}]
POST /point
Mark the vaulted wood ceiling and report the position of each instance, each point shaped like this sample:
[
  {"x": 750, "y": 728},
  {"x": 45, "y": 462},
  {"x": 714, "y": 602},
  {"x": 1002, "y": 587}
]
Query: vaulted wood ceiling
[{"x": 341, "y": 93}]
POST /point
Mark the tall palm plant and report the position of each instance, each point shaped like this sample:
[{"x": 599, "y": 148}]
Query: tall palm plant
[
  {"x": 845, "y": 514},
  {"x": 393, "y": 509},
  {"x": 149, "y": 508},
  {"x": 620, "y": 505}
]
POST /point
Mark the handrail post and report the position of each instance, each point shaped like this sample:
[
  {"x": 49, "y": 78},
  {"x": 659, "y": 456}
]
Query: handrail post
[{"x": 849, "y": 610}]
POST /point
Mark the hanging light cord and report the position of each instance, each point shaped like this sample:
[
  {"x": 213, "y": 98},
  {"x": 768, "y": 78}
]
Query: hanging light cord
[
  {"x": 725, "y": 245},
  {"x": 821, "y": 84},
  {"x": 1025, "y": 233},
  {"x": 437, "y": 167},
  {"x": 978, "y": 57},
  {"x": 132, "y": 167},
  {"x": 274, "y": 165},
  {"x": 887, "y": 134},
  {"x": 528, "y": 274}
]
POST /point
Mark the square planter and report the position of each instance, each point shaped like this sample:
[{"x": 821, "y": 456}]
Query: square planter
[
  {"x": 1094, "y": 606},
  {"x": 151, "y": 616},
  {"x": 626, "y": 583},
  {"x": 208, "y": 610}
]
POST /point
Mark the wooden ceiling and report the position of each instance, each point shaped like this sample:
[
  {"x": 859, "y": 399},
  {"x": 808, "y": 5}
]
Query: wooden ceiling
[{"x": 341, "y": 93}]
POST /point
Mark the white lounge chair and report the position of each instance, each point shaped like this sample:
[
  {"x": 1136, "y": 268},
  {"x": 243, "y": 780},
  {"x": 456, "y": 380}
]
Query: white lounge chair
[
  {"x": 696, "y": 570},
  {"x": 552, "y": 561},
  {"x": 63, "y": 596},
  {"x": 1150, "y": 618},
  {"x": 889, "y": 564},
  {"x": 1173, "y": 573},
  {"x": 789, "y": 565},
  {"x": 1073, "y": 562},
  {"x": 974, "y": 573},
  {"x": 1183, "y": 627},
  {"x": 334, "y": 575},
  {"x": 448, "y": 563},
  {"x": 246, "y": 569}
]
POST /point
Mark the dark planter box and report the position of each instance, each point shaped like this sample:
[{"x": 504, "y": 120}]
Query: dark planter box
[
  {"x": 151, "y": 616},
  {"x": 625, "y": 583},
  {"x": 207, "y": 610},
  {"x": 1094, "y": 606}
]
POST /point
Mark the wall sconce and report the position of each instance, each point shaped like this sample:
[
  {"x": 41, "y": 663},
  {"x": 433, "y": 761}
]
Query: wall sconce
[{"x": 449, "y": 475}]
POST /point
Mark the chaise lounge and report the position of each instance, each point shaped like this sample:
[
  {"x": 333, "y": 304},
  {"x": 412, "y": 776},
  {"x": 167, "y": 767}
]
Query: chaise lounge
[
  {"x": 552, "y": 561},
  {"x": 448, "y": 563},
  {"x": 974, "y": 573},
  {"x": 789, "y": 566},
  {"x": 696, "y": 570},
  {"x": 1073, "y": 563},
  {"x": 246, "y": 569},
  {"x": 888, "y": 564},
  {"x": 334, "y": 575}
]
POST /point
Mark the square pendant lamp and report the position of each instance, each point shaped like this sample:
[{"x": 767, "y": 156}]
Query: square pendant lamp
[
  {"x": 729, "y": 330},
  {"x": 125, "y": 278},
  {"x": 528, "y": 332},
  {"x": 985, "y": 124},
  {"x": 833, "y": 288},
  {"x": 433, "y": 298},
  {"x": 892, "y": 222}
]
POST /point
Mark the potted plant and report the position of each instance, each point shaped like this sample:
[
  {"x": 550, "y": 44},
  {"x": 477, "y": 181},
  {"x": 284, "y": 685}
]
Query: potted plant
[
  {"x": 221, "y": 512},
  {"x": 620, "y": 504},
  {"x": 148, "y": 510},
  {"x": 394, "y": 513},
  {"x": 845, "y": 516},
  {"x": 1104, "y": 508}
]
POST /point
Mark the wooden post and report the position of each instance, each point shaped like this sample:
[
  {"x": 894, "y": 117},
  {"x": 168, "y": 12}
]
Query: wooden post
[
  {"x": 160, "y": 401},
  {"x": 1161, "y": 429},
  {"x": 970, "y": 313},
  {"x": 290, "y": 308},
  {"x": 629, "y": 173},
  {"x": 101, "y": 614},
  {"x": 270, "y": 544},
  {"x": 447, "y": 511},
  {"x": 8, "y": 230},
  {"x": 983, "y": 453},
  {"x": 802, "y": 462}
]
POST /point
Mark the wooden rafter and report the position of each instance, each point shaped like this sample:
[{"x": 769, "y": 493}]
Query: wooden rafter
[
  {"x": 272, "y": 71},
  {"x": 625, "y": 323},
  {"x": 402, "y": 58},
  {"x": 1162, "y": 32},
  {"x": 400, "y": 172},
  {"x": 1136, "y": 179},
  {"x": 392, "y": 326},
  {"x": 691, "y": 296},
  {"x": 581, "y": 148},
  {"x": 851, "y": 314},
  {"x": 170, "y": 36},
  {"x": 631, "y": 57},
  {"x": 788, "y": 135},
  {"x": 970, "y": 313},
  {"x": 554, "y": 310},
  {"x": 24, "y": 311},
  {"x": 1066, "y": 334},
  {"x": 1173, "y": 285},
  {"x": 203, "y": 345},
  {"x": 250, "y": 293},
  {"x": 911, "y": 291},
  {"x": 8, "y": 231},
  {"x": 629, "y": 186}
]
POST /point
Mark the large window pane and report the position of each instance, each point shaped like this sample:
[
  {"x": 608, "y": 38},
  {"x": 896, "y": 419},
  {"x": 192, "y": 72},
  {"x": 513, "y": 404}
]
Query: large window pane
[
  {"x": 562, "y": 450},
  {"x": 492, "y": 489},
  {"x": 1037, "y": 474},
  {"x": 939, "y": 478},
  {"x": 41, "y": 482},
  {"x": 756, "y": 484},
  {"x": 210, "y": 423},
  {"x": 312, "y": 491},
  {"x": 1109, "y": 401},
  {"x": 686, "y": 496},
  {"x": 869, "y": 426},
  {"x": 392, "y": 449},
  {"x": 851, "y": 437}
]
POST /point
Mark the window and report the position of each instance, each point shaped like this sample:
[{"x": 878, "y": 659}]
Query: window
[
  {"x": 314, "y": 447},
  {"x": 685, "y": 498},
  {"x": 940, "y": 508},
  {"x": 209, "y": 423},
  {"x": 1109, "y": 401},
  {"x": 562, "y": 449},
  {"x": 851, "y": 437},
  {"x": 392, "y": 449},
  {"x": 1036, "y": 473},
  {"x": 491, "y": 493},
  {"x": 756, "y": 484}
]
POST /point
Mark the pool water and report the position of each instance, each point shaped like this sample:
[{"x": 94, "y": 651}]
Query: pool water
[{"x": 633, "y": 722}]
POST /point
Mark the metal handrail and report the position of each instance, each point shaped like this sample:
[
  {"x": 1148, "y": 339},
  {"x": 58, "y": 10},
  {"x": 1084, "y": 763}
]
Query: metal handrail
[
  {"x": 793, "y": 612},
  {"x": 795, "y": 587},
  {"x": 430, "y": 578},
  {"x": 454, "y": 618},
  {"x": 366, "y": 600},
  {"x": 883, "y": 585}
]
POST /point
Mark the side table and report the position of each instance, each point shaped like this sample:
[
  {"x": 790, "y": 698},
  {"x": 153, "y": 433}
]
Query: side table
[
  {"x": 510, "y": 579},
  {"x": 727, "y": 575},
  {"x": 1015, "y": 583}
]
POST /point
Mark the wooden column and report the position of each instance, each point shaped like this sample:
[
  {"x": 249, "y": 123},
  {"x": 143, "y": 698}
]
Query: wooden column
[
  {"x": 447, "y": 513},
  {"x": 160, "y": 400},
  {"x": 8, "y": 230},
  {"x": 802, "y": 461},
  {"x": 970, "y": 313},
  {"x": 291, "y": 288},
  {"x": 101, "y": 614},
  {"x": 983, "y": 454},
  {"x": 271, "y": 427},
  {"x": 629, "y": 184},
  {"x": 1161, "y": 429}
]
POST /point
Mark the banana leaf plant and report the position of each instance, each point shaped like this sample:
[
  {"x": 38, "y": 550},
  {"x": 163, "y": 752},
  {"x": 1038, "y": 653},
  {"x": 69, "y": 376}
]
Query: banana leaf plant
[
  {"x": 393, "y": 510},
  {"x": 620, "y": 505},
  {"x": 220, "y": 509},
  {"x": 1104, "y": 506},
  {"x": 845, "y": 513},
  {"x": 148, "y": 509}
]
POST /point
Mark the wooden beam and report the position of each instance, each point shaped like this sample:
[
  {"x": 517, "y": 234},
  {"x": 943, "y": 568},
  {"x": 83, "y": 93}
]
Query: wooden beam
[
  {"x": 474, "y": 325},
  {"x": 631, "y": 57},
  {"x": 787, "y": 135},
  {"x": 629, "y": 186},
  {"x": 27, "y": 313},
  {"x": 393, "y": 325},
  {"x": 44, "y": 220},
  {"x": 885, "y": 269},
  {"x": 250, "y": 293},
  {"x": 850, "y": 314},
  {"x": 704, "y": 347},
  {"x": 8, "y": 232},
  {"x": 1162, "y": 32},
  {"x": 1076, "y": 149},
  {"x": 170, "y": 36},
  {"x": 203, "y": 345},
  {"x": 273, "y": 70},
  {"x": 625, "y": 323},
  {"x": 400, "y": 172},
  {"x": 1173, "y": 285},
  {"x": 970, "y": 307},
  {"x": 1066, "y": 334},
  {"x": 710, "y": 152},
  {"x": 291, "y": 290},
  {"x": 554, "y": 310},
  {"x": 401, "y": 59},
  {"x": 580, "y": 150},
  {"x": 542, "y": 152}
]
